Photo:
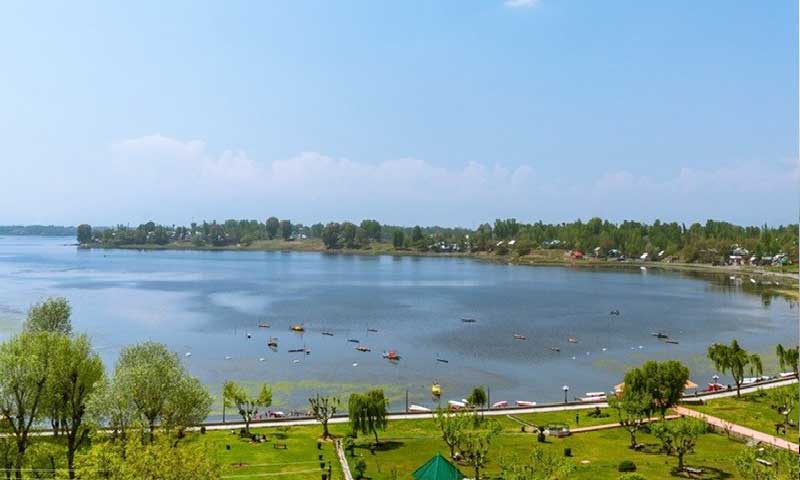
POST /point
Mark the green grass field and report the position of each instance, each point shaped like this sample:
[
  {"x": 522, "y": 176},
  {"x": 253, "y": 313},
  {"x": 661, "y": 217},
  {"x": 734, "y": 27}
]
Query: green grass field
[
  {"x": 408, "y": 444},
  {"x": 751, "y": 410}
]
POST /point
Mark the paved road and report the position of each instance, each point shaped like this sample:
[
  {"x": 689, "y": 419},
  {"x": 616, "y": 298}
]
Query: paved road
[{"x": 744, "y": 431}]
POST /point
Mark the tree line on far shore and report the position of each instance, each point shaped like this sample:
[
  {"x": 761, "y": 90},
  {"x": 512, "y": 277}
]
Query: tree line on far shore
[{"x": 704, "y": 243}]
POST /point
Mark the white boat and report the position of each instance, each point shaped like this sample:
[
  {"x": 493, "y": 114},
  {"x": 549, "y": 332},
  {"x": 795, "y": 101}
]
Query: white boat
[
  {"x": 500, "y": 404},
  {"x": 786, "y": 375},
  {"x": 525, "y": 403},
  {"x": 456, "y": 405},
  {"x": 753, "y": 281},
  {"x": 593, "y": 397},
  {"x": 418, "y": 409}
]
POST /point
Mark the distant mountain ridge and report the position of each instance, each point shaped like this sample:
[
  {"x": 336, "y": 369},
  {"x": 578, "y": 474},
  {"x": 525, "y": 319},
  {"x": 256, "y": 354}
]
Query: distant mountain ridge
[{"x": 44, "y": 230}]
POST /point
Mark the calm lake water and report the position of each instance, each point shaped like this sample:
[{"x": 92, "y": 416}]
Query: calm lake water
[{"x": 207, "y": 302}]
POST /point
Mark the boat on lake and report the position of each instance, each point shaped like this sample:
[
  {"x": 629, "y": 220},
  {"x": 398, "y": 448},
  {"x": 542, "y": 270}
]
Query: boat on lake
[
  {"x": 500, "y": 404},
  {"x": 391, "y": 355},
  {"x": 372, "y": 330},
  {"x": 555, "y": 349},
  {"x": 442, "y": 360},
  {"x": 263, "y": 325},
  {"x": 659, "y": 335},
  {"x": 327, "y": 334},
  {"x": 353, "y": 340},
  {"x": 298, "y": 328},
  {"x": 469, "y": 320},
  {"x": 593, "y": 397},
  {"x": 363, "y": 348},
  {"x": 525, "y": 403},
  {"x": 456, "y": 405},
  {"x": 572, "y": 340},
  {"x": 519, "y": 337},
  {"x": 418, "y": 409},
  {"x": 272, "y": 343}
]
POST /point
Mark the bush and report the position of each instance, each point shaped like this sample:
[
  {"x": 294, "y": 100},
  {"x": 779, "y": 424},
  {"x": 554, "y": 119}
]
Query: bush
[
  {"x": 360, "y": 468},
  {"x": 626, "y": 466},
  {"x": 541, "y": 437},
  {"x": 567, "y": 452},
  {"x": 632, "y": 476}
]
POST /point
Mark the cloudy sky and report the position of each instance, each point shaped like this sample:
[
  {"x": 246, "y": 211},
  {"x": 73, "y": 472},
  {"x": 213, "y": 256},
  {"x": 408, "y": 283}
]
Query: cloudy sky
[{"x": 447, "y": 112}]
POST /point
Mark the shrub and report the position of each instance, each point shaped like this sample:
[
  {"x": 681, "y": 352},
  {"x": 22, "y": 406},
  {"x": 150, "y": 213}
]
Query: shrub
[
  {"x": 360, "y": 467},
  {"x": 626, "y": 466},
  {"x": 567, "y": 452},
  {"x": 541, "y": 437}
]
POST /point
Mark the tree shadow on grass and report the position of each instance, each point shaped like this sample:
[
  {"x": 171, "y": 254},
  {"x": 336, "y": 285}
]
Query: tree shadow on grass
[
  {"x": 383, "y": 446},
  {"x": 709, "y": 473}
]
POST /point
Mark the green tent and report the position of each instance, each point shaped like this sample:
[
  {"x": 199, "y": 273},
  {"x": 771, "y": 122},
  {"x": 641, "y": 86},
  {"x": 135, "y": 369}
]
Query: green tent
[{"x": 437, "y": 468}]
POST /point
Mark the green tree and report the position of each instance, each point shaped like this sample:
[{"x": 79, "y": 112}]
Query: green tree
[
  {"x": 161, "y": 460},
  {"x": 541, "y": 465},
  {"x": 783, "y": 401},
  {"x": 150, "y": 381},
  {"x": 735, "y": 360},
  {"x": 330, "y": 235},
  {"x": 189, "y": 404},
  {"x": 477, "y": 398},
  {"x": 286, "y": 229},
  {"x": 451, "y": 426},
  {"x": 348, "y": 234},
  {"x": 632, "y": 410},
  {"x": 360, "y": 467},
  {"x": 398, "y": 238},
  {"x": 323, "y": 408},
  {"x": 416, "y": 234},
  {"x": 372, "y": 229},
  {"x": 235, "y": 395},
  {"x": 781, "y": 464},
  {"x": 50, "y": 315},
  {"x": 272, "y": 227},
  {"x": 663, "y": 382},
  {"x": 25, "y": 366},
  {"x": 76, "y": 376},
  {"x": 475, "y": 443},
  {"x": 367, "y": 412},
  {"x": 679, "y": 436},
  {"x": 84, "y": 234},
  {"x": 788, "y": 357}
]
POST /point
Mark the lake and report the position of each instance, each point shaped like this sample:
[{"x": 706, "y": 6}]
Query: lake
[{"x": 206, "y": 303}]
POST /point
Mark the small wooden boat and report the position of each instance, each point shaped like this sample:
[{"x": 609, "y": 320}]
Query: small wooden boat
[
  {"x": 593, "y": 397},
  {"x": 614, "y": 312},
  {"x": 436, "y": 390},
  {"x": 418, "y": 409},
  {"x": 674, "y": 342},
  {"x": 391, "y": 355},
  {"x": 525, "y": 403},
  {"x": 296, "y": 350},
  {"x": 362, "y": 348},
  {"x": 372, "y": 330},
  {"x": 353, "y": 340},
  {"x": 327, "y": 334},
  {"x": 659, "y": 335},
  {"x": 555, "y": 349},
  {"x": 500, "y": 404},
  {"x": 519, "y": 337},
  {"x": 263, "y": 325},
  {"x": 572, "y": 340},
  {"x": 469, "y": 320},
  {"x": 249, "y": 336},
  {"x": 272, "y": 343},
  {"x": 298, "y": 328},
  {"x": 442, "y": 360}
]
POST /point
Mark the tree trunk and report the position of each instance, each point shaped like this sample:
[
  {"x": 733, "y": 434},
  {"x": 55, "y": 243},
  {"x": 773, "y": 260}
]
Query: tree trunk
[
  {"x": 376, "y": 436},
  {"x": 633, "y": 438},
  {"x": 680, "y": 460},
  {"x": 452, "y": 451},
  {"x": 477, "y": 472}
]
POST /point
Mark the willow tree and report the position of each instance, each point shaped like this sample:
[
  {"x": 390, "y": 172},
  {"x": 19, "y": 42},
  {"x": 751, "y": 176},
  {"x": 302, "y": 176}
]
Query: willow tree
[
  {"x": 368, "y": 412},
  {"x": 234, "y": 395},
  {"x": 662, "y": 382},
  {"x": 50, "y": 315},
  {"x": 735, "y": 360},
  {"x": 788, "y": 357}
]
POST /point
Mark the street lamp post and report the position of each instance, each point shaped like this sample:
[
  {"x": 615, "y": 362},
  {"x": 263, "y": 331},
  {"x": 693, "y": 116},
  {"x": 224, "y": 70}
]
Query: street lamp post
[
  {"x": 715, "y": 378},
  {"x": 566, "y": 389}
]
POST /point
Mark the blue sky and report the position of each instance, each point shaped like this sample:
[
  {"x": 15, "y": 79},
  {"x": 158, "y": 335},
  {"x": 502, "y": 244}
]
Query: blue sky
[{"x": 446, "y": 112}]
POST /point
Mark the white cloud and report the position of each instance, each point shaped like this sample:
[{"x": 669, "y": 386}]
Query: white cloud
[
  {"x": 170, "y": 180},
  {"x": 521, "y": 3}
]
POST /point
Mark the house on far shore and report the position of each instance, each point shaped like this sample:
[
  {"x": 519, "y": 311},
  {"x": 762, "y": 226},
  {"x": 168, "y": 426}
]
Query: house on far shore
[
  {"x": 614, "y": 253},
  {"x": 576, "y": 254},
  {"x": 597, "y": 252}
]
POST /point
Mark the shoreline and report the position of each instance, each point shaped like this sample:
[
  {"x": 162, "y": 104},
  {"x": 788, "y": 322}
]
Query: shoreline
[{"x": 788, "y": 282}]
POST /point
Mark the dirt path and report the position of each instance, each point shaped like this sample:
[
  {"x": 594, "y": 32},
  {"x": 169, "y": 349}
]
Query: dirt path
[{"x": 343, "y": 461}]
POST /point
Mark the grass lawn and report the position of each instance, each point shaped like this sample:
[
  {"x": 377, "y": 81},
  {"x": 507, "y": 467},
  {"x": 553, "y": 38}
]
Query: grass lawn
[
  {"x": 751, "y": 410},
  {"x": 596, "y": 455},
  {"x": 248, "y": 460}
]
